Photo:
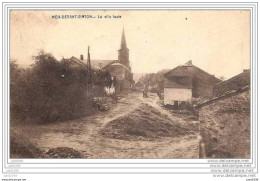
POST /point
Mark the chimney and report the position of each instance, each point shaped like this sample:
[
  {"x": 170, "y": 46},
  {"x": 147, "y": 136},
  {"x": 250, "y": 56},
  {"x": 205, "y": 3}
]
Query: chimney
[
  {"x": 81, "y": 57},
  {"x": 189, "y": 63}
]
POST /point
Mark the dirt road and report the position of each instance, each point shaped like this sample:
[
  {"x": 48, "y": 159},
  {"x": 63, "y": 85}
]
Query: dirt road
[{"x": 87, "y": 134}]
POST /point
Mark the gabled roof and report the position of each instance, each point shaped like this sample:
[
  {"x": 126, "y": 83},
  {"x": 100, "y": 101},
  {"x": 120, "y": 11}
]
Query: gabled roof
[
  {"x": 188, "y": 70},
  {"x": 224, "y": 96},
  {"x": 77, "y": 61},
  {"x": 244, "y": 75},
  {"x": 83, "y": 63},
  {"x": 234, "y": 83},
  {"x": 178, "y": 82},
  {"x": 101, "y": 63},
  {"x": 180, "y": 71}
]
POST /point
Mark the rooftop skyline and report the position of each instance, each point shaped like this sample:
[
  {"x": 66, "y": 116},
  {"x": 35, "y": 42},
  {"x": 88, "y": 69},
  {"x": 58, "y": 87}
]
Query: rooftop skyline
[{"x": 216, "y": 41}]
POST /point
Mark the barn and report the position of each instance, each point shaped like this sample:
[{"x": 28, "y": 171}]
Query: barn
[{"x": 186, "y": 82}]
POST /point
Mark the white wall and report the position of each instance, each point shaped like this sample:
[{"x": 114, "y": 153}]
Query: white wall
[
  {"x": 110, "y": 90},
  {"x": 175, "y": 94}
]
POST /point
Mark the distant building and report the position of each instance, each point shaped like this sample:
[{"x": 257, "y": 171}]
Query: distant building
[
  {"x": 120, "y": 69},
  {"x": 186, "y": 82}
]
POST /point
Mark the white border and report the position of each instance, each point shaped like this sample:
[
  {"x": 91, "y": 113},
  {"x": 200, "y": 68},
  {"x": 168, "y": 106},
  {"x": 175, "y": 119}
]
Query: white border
[{"x": 122, "y": 165}]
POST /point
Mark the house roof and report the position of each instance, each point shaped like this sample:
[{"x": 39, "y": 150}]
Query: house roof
[
  {"x": 224, "y": 96},
  {"x": 178, "y": 82},
  {"x": 83, "y": 63},
  {"x": 188, "y": 70},
  {"x": 245, "y": 74},
  {"x": 234, "y": 83},
  {"x": 97, "y": 64},
  {"x": 181, "y": 70},
  {"x": 101, "y": 63}
]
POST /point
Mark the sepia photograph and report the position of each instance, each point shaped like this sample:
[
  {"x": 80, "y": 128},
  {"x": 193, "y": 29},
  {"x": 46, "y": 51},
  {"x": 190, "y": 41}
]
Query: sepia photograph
[{"x": 130, "y": 84}]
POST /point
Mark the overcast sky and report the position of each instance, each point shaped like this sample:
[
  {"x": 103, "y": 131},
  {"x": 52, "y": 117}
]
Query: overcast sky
[{"x": 216, "y": 41}]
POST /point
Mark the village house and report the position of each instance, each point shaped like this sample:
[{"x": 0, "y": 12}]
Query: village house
[
  {"x": 186, "y": 82},
  {"x": 239, "y": 81},
  {"x": 225, "y": 119},
  {"x": 120, "y": 69}
]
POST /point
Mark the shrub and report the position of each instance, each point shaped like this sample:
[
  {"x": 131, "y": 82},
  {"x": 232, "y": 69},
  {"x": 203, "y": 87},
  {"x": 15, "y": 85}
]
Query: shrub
[{"x": 51, "y": 90}]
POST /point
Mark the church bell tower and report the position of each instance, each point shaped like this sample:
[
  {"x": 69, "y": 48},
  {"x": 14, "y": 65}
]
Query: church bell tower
[{"x": 123, "y": 52}]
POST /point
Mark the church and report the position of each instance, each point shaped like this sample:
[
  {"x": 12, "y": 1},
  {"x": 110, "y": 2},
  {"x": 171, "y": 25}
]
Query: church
[{"x": 119, "y": 69}]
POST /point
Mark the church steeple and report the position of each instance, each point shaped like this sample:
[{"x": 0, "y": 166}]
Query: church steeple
[
  {"x": 123, "y": 53},
  {"x": 123, "y": 41}
]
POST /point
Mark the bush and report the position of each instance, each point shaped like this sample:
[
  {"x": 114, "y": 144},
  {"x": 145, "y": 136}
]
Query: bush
[{"x": 51, "y": 90}]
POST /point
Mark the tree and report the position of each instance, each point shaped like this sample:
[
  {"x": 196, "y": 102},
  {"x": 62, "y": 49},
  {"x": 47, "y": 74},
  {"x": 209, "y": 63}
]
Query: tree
[{"x": 52, "y": 90}]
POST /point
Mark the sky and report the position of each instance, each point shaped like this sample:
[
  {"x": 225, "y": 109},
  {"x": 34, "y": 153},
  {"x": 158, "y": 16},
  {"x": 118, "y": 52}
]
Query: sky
[{"x": 217, "y": 41}]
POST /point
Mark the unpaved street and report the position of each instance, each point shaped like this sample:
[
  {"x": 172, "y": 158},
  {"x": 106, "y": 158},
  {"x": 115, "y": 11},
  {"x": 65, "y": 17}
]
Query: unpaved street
[{"x": 112, "y": 135}]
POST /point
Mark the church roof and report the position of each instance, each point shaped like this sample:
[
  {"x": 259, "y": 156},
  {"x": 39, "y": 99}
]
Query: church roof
[
  {"x": 119, "y": 64},
  {"x": 101, "y": 63}
]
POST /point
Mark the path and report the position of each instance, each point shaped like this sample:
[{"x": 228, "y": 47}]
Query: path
[{"x": 84, "y": 135}]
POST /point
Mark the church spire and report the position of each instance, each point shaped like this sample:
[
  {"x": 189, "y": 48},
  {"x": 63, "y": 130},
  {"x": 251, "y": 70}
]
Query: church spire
[
  {"x": 123, "y": 52},
  {"x": 123, "y": 40}
]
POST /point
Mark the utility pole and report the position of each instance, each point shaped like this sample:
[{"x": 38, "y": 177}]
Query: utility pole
[{"x": 89, "y": 75}]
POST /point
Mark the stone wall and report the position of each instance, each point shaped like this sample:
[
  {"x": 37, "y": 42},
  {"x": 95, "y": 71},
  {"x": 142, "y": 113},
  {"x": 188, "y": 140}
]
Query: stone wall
[{"x": 225, "y": 126}]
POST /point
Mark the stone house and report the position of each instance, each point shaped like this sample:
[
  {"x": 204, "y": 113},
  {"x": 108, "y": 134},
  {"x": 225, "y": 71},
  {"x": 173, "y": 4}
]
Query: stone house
[{"x": 186, "y": 82}]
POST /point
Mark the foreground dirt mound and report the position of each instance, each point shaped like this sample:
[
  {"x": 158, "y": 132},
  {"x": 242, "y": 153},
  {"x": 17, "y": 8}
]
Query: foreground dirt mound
[
  {"x": 145, "y": 123},
  {"x": 21, "y": 147},
  {"x": 63, "y": 152}
]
